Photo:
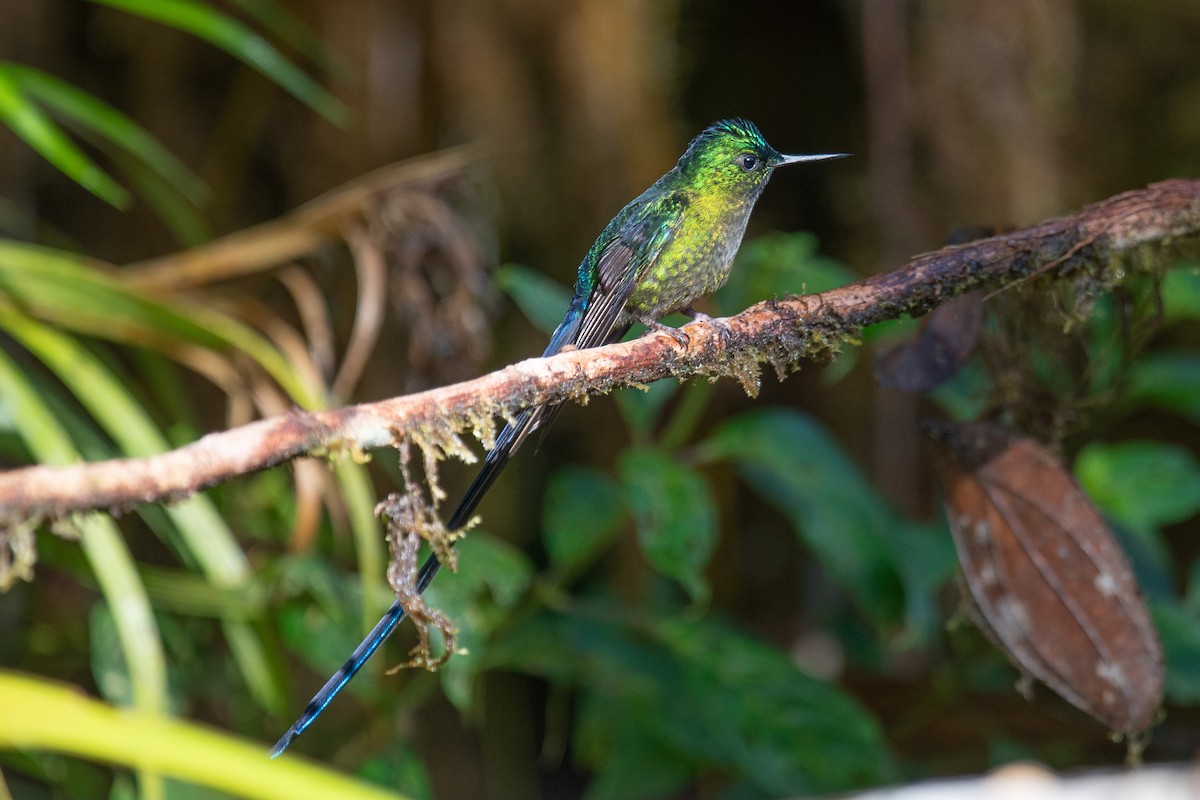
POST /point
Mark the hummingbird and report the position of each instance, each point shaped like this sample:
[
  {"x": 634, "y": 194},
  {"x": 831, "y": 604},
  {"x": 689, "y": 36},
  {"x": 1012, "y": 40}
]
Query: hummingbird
[{"x": 671, "y": 245}]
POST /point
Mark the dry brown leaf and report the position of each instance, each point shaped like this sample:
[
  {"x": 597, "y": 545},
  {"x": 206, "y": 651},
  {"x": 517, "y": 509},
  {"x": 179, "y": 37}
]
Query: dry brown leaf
[{"x": 1052, "y": 585}]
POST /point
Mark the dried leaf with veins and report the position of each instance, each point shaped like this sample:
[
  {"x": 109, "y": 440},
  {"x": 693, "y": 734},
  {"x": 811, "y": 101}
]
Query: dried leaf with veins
[{"x": 1049, "y": 580}]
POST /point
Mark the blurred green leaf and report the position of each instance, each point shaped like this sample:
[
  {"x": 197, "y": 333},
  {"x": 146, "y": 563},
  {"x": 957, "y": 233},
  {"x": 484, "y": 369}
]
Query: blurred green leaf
[
  {"x": 93, "y": 114},
  {"x": 1168, "y": 380},
  {"x": 206, "y": 539},
  {"x": 776, "y": 265},
  {"x": 403, "y": 768},
  {"x": 323, "y": 633},
  {"x": 693, "y": 696},
  {"x": 804, "y": 472},
  {"x": 641, "y": 408},
  {"x": 1179, "y": 631},
  {"x": 1191, "y": 599},
  {"x": 492, "y": 577},
  {"x": 177, "y": 212},
  {"x": 109, "y": 670},
  {"x": 80, "y": 296},
  {"x": 109, "y": 559},
  {"x": 182, "y": 592},
  {"x": 543, "y": 301},
  {"x": 485, "y": 564},
  {"x": 924, "y": 555},
  {"x": 967, "y": 395},
  {"x": 1141, "y": 485},
  {"x": 38, "y": 131},
  {"x": 632, "y": 764},
  {"x": 289, "y": 28},
  {"x": 358, "y": 493},
  {"x": 675, "y": 515},
  {"x": 582, "y": 514},
  {"x": 786, "y": 732},
  {"x": 242, "y": 43},
  {"x": 1181, "y": 292}
]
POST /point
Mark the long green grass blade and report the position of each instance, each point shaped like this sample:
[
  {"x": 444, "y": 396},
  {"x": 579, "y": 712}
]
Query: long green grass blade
[
  {"x": 110, "y": 560},
  {"x": 204, "y": 533},
  {"x": 240, "y": 42},
  {"x": 27, "y": 121},
  {"x": 94, "y": 114},
  {"x": 39, "y": 715},
  {"x": 77, "y": 294},
  {"x": 287, "y": 27},
  {"x": 177, "y": 211},
  {"x": 360, "y": 505}
]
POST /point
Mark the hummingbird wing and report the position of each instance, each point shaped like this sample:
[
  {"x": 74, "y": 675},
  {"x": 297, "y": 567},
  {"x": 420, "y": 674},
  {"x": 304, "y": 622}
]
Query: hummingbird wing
[
  {"x": 596, "y": 316},
  {"x": 633, "y": 247},
  {"x": 630, "y": 244}
]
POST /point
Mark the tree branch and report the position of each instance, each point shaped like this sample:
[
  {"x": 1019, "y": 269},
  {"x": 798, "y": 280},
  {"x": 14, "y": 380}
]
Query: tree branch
[{"x": 781, "y": 332}]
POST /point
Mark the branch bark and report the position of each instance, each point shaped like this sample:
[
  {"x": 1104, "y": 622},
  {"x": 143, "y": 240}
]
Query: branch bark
[{"x": 781, "y": 332}]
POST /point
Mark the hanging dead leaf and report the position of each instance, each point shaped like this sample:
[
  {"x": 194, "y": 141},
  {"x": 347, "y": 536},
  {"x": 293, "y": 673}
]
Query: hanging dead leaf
[
  {"x": 1052, "y": 585},
  {"x": 946, "y": 341}
]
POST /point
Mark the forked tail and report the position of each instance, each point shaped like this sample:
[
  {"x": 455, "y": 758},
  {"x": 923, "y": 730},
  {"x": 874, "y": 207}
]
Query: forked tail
[{"x": 506, "y": 444}]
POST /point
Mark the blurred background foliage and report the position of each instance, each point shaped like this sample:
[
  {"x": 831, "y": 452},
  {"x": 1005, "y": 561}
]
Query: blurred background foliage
[{"x": 682, "y": 593}]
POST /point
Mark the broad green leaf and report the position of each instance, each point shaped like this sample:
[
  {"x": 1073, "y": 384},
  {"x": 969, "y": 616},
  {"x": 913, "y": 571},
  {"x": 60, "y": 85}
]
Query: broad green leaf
[
  {"x": 492, "y": 578},
  {"x": 696, "y": 696},
  {"x": 485, "y": 564},
  {"x": 675, "y": 516},
  {"x": 924, "y": 555},
  {"x": 803, "y": 472},
  {"x": 776, "y": 265},
  {"x": 641, "y": 408},
  {"x": 242, "y": 43},
  {"x": 1168, "y": 380},
  {"x": 1141, "y": 485},
  {"x": 38, "y": 131},
  {"x": 1181, "y": 292},
  {"x": 543, "y": 301},
  {"x": 785, "y": 732},
  {"x": 1179, "y": 630},
  {"x": 628, "y": 758},
  {"x": 582, "y": 514},
  {"x": 402, "y": 767},
  {"x": 323, "y": 633}
]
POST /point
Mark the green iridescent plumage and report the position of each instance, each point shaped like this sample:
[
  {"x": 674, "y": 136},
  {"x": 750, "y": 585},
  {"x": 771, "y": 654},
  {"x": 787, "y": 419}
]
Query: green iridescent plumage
[{"x": 671, "y": 245}]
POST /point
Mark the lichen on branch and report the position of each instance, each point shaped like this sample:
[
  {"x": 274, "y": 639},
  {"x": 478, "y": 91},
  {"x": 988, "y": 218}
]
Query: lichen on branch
[{"x": 780, "y": 332}]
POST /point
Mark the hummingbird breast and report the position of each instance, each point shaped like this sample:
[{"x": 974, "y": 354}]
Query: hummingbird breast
[{"x": 697, "y": 258}]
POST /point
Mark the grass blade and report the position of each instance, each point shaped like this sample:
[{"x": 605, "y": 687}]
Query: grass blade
[
  {"x": 240, "y": 42},
  {"x": 38, "y": 131}
]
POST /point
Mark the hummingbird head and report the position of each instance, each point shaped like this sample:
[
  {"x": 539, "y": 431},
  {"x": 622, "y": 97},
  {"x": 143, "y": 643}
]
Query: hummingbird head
[{"x": 732, "y": 156}]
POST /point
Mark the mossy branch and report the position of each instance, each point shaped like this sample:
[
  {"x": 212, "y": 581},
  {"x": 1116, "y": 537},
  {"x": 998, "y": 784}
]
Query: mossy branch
[{"x": 1085, "y": 245}]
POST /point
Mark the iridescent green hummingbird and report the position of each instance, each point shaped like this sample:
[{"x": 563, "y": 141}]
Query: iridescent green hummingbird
[{"x": 671, "y": 245}]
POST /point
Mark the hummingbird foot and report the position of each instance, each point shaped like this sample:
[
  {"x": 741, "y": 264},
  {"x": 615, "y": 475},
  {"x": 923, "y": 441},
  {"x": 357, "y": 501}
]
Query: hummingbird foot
[
  {"x": 679, "y": 336},
  {"x": 699, "y": 316}
]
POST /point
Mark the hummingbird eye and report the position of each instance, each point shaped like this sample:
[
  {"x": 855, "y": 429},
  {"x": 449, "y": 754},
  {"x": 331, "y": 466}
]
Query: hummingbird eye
[{"x": 748, "y": 162}]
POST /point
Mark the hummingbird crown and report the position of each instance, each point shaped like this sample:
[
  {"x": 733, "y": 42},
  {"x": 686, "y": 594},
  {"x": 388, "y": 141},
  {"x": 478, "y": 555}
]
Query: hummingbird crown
[{"x": 732, "y": 155}]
